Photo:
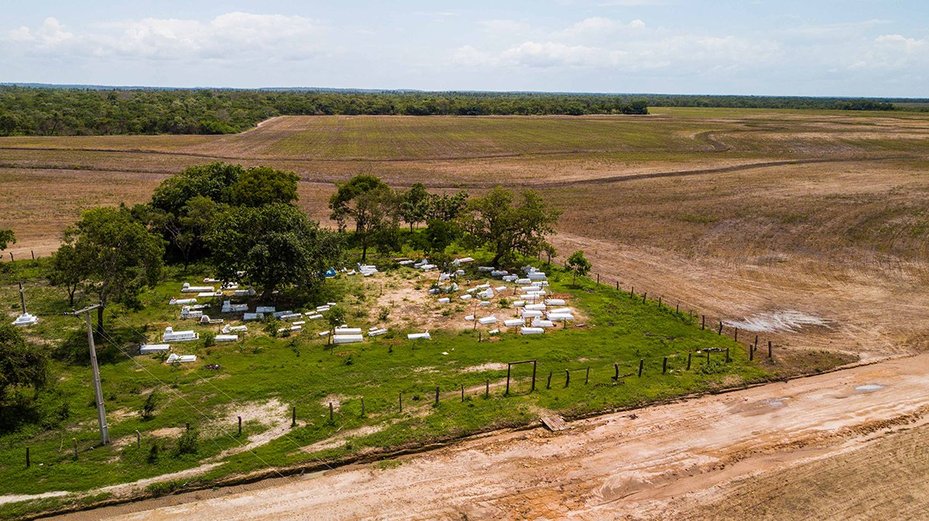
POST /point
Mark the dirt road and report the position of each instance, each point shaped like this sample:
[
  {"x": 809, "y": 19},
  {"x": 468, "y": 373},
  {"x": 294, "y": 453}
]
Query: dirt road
[{"x": 674, "y": 460}]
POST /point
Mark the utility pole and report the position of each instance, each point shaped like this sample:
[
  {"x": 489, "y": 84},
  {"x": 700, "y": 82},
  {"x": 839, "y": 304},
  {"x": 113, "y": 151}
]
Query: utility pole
[
  {"x": 22, "y": 297},
  {"x": 98, "y": 391}
]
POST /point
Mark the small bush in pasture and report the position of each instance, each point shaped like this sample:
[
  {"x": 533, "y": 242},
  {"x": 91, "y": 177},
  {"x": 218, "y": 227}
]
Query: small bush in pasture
[
  {"x": 148, "y": 408},
  {"x": 188, "y": 443}
]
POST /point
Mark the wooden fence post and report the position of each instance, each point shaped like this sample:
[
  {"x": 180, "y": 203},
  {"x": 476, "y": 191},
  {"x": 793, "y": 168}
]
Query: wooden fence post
[
  {"x": 28, "y": 460},
  {"x": 615, "y": 372},
  {"x": 437, "y": 395},
  {"x": 462, "y": 393},
  {"x": 532, "y": 390},
  {"x": 751, "y": 354},
  {"x": 33, "y": 254},
  {"x": 641, "y": 366},
  {"x": 659, "y": 301},
  {"x": 689, "y": 356},
  {"x": 362, "y": 405},
  {"x": 331, "y": 412},
  {"x": 548, "y": 385},
  {"x": 567, "y": 377},
  {"x": 507, "y": 392},
  {"x": 735, "y": 335},
  {"x": 770, "y": 354},
  {"x": 293, "y": 416},
  {"x": 401, "y": 402},
  {"x": 240, "y": 426},
  {"x": 728, "y": 358},
  {"x": 720, "y": 332},
  {"x": 598, "y": 279},
  {"x": 487, "y": 389},
  {"x": 644, "y": 297},
  {"x": 703, "y": 322},
  {"x": 664, "y": 366},
  {"x": 587, "y": 376}
]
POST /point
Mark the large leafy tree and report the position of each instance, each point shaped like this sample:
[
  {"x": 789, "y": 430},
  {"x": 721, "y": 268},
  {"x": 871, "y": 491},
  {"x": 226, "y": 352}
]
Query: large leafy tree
[
  {"x": 211, "y": 180},
  {"x": 446, "y": 206},
  {"x": 263, "y": 185},
  {"x": 371, "y": 204},
  {"x": 184, "y": 205},
  {"x": 113, "y": 255},
  {"x": 508, "y": 227},
  {"x": 414, "y": 205},
  {"x": 21, "y": 364},
  {"x": 275, "y": 245},
  {"x": 68, "y": 269}
]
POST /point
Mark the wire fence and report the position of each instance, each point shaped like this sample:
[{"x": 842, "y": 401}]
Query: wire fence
[{"x": 546, "y": 377}]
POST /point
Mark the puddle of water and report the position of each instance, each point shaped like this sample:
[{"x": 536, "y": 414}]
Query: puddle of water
[
  {"x": 869, "y": 388},
  {"x": 776, "y": 321}
]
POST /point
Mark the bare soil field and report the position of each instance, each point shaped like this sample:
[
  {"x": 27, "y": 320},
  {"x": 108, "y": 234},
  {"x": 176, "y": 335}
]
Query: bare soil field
[{"x": 748, "y": 216}]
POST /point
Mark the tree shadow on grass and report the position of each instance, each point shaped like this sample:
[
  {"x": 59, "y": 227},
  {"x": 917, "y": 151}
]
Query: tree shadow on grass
[{"x": 114, "y": 345}]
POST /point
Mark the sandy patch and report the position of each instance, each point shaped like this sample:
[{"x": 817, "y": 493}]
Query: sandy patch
[
  {"x": 334, "y": 399},
  {"x": 339, "y": 439},
  {"x": 777, "y": 321},
  {"x": 167, "y": 432},
  {"x": 16, "y": 498},
  {"x": 484, "y": 367}
]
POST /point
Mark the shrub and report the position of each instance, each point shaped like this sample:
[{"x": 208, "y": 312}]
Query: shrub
[
  {"x": 153, "y": 454},
  {"x": 209, "y": 339},
  {"x": 148, "y": 408},
  {"x": 188, "y": 443}
]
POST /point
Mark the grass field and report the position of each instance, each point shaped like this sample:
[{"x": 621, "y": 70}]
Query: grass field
[{"x": 263, "y": 378}]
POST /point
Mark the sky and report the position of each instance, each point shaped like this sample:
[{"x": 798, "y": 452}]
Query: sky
[{"x": 874, "y": 48}]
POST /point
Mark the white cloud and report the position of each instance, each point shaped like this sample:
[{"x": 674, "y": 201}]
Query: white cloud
[
  {"x": 234, "y": 35},
  {"x": 50, "y": 34},
  {"x": 598, "y": 26},
  {"x": 608, "y": 44},
  {"x": 555, "y": 54}
]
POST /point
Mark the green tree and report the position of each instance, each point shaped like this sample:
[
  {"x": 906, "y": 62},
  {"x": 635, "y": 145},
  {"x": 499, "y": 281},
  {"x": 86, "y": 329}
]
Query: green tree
[
  {"x": 335, "y": 317},
  {"x": 212, "y": 181},
  {"x": 370, "y": 203},
  {"x": 21, "y": 364},
  {"x": 440, "y": 234},
  {"x": 7, "y": 237},
  {"x": 274, "y": 245},
  {"x": 413, "y": 205},
  {"x": 446, "y": 207},
  {"x": 117, "y": 256},
  {"x": 263, "y": 185},
  {"x": 578, "y": 264},
  {"x": 506, "y": 228},
  {"x": 68, "y": 270}
]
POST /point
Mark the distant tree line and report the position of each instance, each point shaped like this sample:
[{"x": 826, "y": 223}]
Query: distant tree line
[{"x": 49, "y": 112}]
